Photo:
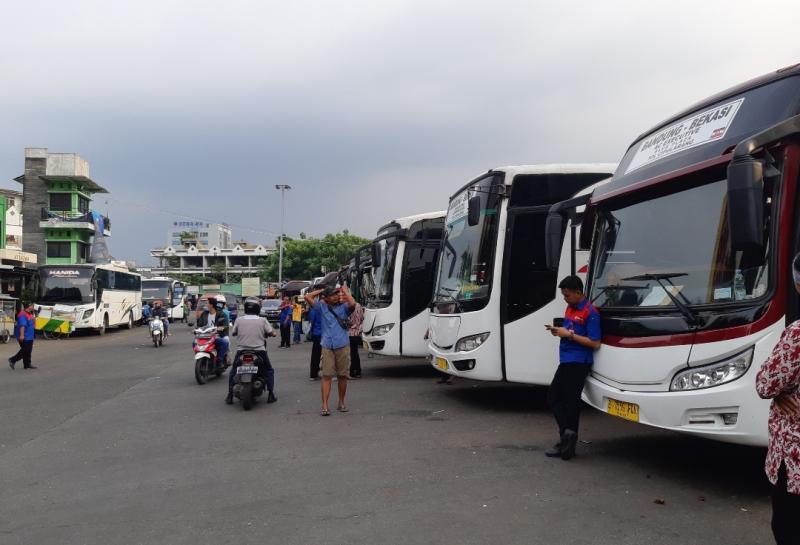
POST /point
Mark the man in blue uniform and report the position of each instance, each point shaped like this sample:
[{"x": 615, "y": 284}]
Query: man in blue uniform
[{"x": 580, "y": 337}]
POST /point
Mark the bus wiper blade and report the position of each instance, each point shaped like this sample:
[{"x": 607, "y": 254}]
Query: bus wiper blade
[{"x": 692, "y": 318}]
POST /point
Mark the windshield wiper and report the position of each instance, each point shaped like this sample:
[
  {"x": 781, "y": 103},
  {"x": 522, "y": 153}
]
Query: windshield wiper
[
  {"x": 602, "y": 289},
  {"x": 452, "y": 297},
  {"x": 692, "y": 318}
]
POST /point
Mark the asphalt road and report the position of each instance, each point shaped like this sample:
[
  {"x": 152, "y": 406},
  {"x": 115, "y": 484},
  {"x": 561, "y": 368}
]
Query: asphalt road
[{"x": 112, "y": 441}]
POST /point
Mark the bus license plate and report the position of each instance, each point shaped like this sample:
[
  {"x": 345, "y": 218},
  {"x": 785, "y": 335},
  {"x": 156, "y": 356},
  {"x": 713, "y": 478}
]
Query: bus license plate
[
  {"x": 249, "y": 369},
  {"x": 623, "y": 409},
  {"x": 366, "y": 345},
  {"x": 441, "y": 363}
]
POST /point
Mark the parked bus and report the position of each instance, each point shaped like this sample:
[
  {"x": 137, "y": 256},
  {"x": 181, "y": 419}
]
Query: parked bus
[
  {"x": 494, "y": 292},
  {"x": 90, "y": 296},
  {"x": 358, "y": 275},
  {"x": 171, "y": 292},
  {"x": 690, "y": 262},
  {"x": 403, "y": 263}
]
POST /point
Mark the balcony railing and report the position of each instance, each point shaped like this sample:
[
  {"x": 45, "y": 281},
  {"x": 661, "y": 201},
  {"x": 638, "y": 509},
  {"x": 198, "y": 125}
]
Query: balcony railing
[{"x": 86, "y": 217}]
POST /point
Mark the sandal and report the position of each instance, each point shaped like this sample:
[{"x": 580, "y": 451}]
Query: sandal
[
  {"x": 324, "y": 412},
  {"x": 342, "y": 408}
]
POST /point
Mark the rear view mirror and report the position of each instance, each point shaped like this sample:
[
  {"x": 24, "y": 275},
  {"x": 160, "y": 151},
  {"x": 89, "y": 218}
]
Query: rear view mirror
[
  {"x": 746, "y": 204},
  {"x": 554, "y": 230},
  {"x": 474, "y": 210},
  {"x": 376, "y": 255}
]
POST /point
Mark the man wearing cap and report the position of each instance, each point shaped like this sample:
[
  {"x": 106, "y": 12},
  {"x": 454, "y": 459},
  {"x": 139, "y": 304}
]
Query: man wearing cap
[{"x": 335, "y": 340}]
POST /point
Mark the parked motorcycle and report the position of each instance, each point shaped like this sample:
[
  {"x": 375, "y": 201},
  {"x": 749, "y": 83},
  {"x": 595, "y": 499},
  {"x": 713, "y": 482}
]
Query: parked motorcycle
[
  {"x": 206, "y": 361},
  {"x": 247, "y": 383},
  {"x": 157, "y": 331}
]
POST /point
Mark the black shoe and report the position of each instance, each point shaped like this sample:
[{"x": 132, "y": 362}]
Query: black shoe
[
  {"x": 229, "y": 399},
  {"x": 271, "y": 398},
  {"x": 11, "y": 363},
  {"x": 568, "y": 441},
  {"x": 554, "y": 452},
  {"x": 31, "y": 367}
]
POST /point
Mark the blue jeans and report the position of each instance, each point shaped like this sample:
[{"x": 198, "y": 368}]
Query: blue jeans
[
  {"x": 263, "y": 369},
  {"x": 298, "y": 330},
  {"x": 222, "y": 348}
]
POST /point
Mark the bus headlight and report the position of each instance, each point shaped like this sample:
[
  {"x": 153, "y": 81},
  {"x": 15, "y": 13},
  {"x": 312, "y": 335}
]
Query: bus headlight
[
  {"x": 471, "y": 343},
  {"x": 715, "y": 374},
  {"x": 87, "y": 314},
  {"x": 379, "y": 330}
]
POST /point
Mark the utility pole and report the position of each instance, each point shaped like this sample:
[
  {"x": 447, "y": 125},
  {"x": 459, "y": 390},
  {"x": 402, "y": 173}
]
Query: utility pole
[{"x": 283, "y": 188}]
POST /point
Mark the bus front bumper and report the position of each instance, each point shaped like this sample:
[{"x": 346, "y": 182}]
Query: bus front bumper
[{"x": 478, "y": 364}]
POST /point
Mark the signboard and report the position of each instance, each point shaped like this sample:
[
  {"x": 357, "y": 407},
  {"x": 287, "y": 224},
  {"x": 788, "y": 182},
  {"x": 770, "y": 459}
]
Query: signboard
[
  {"x": 458, "y": 208},
  {"x": 193, "y": 290},
  {"x": 15, "y": 255},
  {"x": 251, "y": 287},
  {"x": 702, "y": 128}
]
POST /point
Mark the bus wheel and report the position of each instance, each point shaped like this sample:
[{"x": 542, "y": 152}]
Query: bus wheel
[
  {"x": 129, "y": 325},
  {"x": 102, "y": 329},
  {"x": 4, "y": 336}
]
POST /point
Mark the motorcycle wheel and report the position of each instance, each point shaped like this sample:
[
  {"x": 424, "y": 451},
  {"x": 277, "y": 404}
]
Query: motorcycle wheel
[
  {"x": 201, "y": 371},
  {"x": 247, "y": 396}
]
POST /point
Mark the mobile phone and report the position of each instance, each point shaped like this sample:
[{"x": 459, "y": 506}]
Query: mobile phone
[{"x": 558, "y": 322}]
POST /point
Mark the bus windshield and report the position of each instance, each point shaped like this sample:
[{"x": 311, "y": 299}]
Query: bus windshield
[
  {"x": 71, "y": 285},
  {"x": 673, "y": 247},
  {"x": 383, "y": 274},
  {"x": 156, "y": 289},
  {"x": 467, "y": 257}
]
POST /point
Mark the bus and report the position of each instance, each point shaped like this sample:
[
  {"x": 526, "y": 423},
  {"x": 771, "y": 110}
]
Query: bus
[
  {"x": 403, "y": 266},
  {"x": 358, "y": 275},
  {"x": 690, "y": 262},
  {"x": 90, "y": 296},
  {"x": 171, "y": 292},
  {"x": 494, "y": 291}
]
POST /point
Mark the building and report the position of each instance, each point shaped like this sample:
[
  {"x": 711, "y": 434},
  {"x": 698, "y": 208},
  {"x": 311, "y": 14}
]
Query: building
[
  {"x": 57, "y": 219},
  {"x": 242, "y": 258},
  {"x": 200, "y": 234},
  {"x": 13, "y": 215}
]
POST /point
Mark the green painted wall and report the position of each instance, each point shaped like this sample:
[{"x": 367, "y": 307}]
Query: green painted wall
[{"x": 3, "y": 208}]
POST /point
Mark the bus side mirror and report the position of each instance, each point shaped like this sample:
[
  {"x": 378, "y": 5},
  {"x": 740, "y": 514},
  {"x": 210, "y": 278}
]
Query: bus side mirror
[
  {"x": 746, "y": 204},
  {"x": 553, "y": 232},
  {"x": 376, "y": 255},
  {"x": 474, "y": 210}
]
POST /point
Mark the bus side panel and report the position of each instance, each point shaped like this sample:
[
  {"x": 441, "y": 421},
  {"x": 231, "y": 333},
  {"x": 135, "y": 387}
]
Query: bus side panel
[{"x": 414, "y": 329}]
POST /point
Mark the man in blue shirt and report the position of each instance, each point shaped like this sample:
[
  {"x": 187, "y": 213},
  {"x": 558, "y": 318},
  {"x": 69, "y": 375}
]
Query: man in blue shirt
[
  {"x": 316, "y": 335},
  {"x": 335, "y": 340},
  {"x": 580, "y": 337},
  {"x": 24, "y": 332}
]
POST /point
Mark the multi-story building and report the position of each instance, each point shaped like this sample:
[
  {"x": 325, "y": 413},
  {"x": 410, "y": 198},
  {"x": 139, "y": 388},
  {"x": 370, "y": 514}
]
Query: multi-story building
[
  {"x": 58, "y": 221},
  {"x": 242, "y": 258},
  {"x": 200, "y": 234},
  {"x": 16, "y": 267},
  {"x": 13, "y": 216}
]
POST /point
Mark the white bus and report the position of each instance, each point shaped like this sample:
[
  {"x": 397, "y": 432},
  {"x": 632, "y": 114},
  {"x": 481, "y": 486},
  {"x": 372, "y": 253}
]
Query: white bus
[
  {"x": 404, "y": 257},
  {"x": 691, "y": 263},
  {"x": 90, "y": 296},
  {"x": 171, "y": 292},
  {"x": 494, "y": 291}
]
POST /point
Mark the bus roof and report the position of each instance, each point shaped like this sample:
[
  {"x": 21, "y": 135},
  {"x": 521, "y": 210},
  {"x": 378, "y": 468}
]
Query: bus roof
[
  {"x": 106, "y": 266},
  {"x": 407, "y": 221},
  {"x": 706, "y": 131},
  {"x": 559, "y": 168}
]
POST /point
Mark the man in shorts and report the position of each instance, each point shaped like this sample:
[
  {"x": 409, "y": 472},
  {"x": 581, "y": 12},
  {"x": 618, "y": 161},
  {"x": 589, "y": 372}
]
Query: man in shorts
[{"x": 335, "y": 340}]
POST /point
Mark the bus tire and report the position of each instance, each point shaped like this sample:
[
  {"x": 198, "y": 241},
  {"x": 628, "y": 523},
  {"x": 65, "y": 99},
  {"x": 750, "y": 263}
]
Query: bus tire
[
  {"x": 129, "y": 325},
  {"x": 5, "y": 336},
  {"x": 102, "y": 329}
]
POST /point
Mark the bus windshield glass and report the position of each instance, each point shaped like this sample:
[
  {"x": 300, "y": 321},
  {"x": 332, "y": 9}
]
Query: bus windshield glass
[
  {"x": 673, "y": 247},
  {"x": 156, "y": 289},
  {"x": 467, "y": 256},
  {"x": 383, "y": 274},
  {"x": 71, "y": 285}
]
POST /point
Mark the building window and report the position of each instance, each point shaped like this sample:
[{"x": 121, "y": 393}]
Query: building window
[
  {"x": 59, "y": 249},
  {"x": 61, "y": 201},
  {"x": 83, "y": 252},
  {"x": 83, "y": 204}
]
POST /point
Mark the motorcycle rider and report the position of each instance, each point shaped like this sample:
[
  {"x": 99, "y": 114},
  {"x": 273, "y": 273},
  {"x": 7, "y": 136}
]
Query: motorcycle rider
[
  {"x": 253, "y": 331},
  {"x": 215, "y": 316},
  {"x": 161, "y": 312}
]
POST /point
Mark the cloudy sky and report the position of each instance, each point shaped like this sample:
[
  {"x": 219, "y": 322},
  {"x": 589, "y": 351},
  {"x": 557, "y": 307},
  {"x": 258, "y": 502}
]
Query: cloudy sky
[{"x": 370, "y": 110}]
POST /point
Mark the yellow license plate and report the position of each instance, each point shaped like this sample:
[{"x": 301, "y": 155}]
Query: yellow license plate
[
  {"x": 366, "y": 345},
  {"x": 623, "y": 409},
  {"x": 441, "y": 363}
]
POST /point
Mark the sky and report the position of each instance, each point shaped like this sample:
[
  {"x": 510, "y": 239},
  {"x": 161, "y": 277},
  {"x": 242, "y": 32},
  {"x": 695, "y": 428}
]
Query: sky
[{"x": 369, "y": 110}]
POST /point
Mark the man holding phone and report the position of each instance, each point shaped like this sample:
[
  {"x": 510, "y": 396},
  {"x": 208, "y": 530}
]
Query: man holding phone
[{"x": 579, "y": 332}]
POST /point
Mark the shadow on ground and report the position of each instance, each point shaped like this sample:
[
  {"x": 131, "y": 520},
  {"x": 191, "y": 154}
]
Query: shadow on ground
[
  {"x": 412, "y": 369},
  {"x": 497, "y": 397}
]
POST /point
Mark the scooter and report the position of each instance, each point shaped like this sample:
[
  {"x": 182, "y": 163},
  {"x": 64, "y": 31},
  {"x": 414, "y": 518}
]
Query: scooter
[
  {"x": 206, "y": 361},
  {"x": 157, "y": 331},
  {"x": 248, "y": 384}
]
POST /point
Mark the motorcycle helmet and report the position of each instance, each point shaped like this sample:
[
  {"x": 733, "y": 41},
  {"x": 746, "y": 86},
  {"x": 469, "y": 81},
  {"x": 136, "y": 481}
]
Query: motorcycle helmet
[
  {"x": 219, "y": 304},
  {"x": 252, "y": 306}
]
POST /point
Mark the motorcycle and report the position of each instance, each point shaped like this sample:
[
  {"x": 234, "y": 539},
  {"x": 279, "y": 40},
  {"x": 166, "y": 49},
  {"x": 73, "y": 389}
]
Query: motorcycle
[
  {"x": 206, "y": 362},
  {"x": 157, "y": 331},
  {"x": 248, "y": 384}
]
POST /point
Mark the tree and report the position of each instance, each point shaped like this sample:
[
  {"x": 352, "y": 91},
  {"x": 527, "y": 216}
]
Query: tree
[
  {"x": 305, "y": 258},
  {"x": 218, "y": 271}
]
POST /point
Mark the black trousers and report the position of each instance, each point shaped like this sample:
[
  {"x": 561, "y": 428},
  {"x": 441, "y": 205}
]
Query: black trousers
[
  {"x": 316, "y": 356},
  {"x": 564, "y": 395},
  {"x": 355, "y": 358},
  {"x": 785, "y": 510},
  {"x": 265, "y": 369},
  {"x": 24, "y": 353},
  {"x": 286, "y": 335}
]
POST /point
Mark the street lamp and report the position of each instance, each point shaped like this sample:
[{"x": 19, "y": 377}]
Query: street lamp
[{"x": 283, "y": 188}]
